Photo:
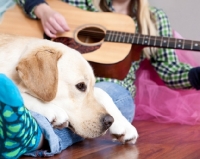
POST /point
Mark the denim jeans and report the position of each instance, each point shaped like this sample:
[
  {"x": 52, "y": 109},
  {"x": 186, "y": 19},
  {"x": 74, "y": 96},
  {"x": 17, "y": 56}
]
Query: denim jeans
[
  {"x": 121, "y": 97},
  {"x": 60, "y": 139}
]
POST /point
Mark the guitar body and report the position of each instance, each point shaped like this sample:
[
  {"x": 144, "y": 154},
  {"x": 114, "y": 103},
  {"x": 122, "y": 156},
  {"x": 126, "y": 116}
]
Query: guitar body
[{"x": 108, "y": 59}]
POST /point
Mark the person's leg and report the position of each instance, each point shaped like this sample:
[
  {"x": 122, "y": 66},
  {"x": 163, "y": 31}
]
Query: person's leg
[
  {"x": 57, "y": 139},
  {"x": 19, "y": 132},
  {"x": 121, "y": 97}
]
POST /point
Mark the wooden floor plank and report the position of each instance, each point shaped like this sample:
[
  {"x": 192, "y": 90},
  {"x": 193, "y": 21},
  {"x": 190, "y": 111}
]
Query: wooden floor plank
[{"x": 156, "y": 141}]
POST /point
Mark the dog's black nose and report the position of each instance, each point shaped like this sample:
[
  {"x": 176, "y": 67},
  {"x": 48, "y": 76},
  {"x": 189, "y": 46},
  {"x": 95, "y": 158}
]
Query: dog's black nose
[{"x": 107, "y": 121}]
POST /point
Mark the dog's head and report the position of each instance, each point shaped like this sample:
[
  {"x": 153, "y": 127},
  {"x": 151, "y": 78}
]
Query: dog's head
[{"x": 56, "y": 74}]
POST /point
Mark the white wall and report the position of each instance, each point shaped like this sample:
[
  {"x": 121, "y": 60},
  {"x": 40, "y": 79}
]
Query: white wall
[{"x": 184, "y": 16}]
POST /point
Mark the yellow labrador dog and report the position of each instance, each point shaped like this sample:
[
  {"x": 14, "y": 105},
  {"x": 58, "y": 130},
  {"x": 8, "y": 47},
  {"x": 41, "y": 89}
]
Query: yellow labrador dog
[{"x": 57, "y": 82}]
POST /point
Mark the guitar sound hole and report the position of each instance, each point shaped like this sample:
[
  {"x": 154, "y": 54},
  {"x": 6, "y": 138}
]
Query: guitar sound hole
[{"x": 90, "y": 35}]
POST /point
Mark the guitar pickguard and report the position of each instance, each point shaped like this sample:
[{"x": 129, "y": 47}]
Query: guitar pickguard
[{"x": 70, "y": 42}]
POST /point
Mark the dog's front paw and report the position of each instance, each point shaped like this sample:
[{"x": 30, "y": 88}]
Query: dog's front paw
[
  {"x": 57, "y": 117},
  {"x": 61, "y": 119},
  {"x": 123, "y": 131}
]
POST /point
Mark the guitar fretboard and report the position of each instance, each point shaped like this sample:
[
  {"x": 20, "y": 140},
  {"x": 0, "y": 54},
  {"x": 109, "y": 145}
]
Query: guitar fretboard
[{"x": 153, "y": 41}]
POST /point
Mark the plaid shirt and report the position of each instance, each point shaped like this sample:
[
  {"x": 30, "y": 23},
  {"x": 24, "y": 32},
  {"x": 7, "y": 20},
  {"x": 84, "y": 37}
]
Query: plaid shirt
[{"x": 165, "y": 61}]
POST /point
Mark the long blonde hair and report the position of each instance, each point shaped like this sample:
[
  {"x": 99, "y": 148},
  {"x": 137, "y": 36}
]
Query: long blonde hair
[{"x": 145, "y": 19}]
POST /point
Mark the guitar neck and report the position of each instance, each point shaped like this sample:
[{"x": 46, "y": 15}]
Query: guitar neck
[{"x": 152, "y": 41}]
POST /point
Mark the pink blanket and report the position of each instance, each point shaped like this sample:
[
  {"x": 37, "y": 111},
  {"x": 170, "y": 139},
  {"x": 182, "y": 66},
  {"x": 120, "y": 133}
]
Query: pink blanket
[{"x": 155, "y": 101}]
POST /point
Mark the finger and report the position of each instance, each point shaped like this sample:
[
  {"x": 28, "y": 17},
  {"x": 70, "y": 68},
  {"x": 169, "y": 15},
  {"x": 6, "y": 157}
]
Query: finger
[
  {"x": 65, "y": 26},
  {"x": 56, "y": 26},
  {"x": 62, "y": 22},
  {"x": 48, "y": 33},
  {"x": 51, "y": 28}
]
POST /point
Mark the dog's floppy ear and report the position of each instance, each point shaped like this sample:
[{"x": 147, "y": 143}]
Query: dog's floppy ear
[{"x": 39, "y": 72}]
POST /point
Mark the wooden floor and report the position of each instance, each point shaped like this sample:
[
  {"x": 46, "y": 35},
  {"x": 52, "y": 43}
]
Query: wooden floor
[{"x": 156, "y": 141}]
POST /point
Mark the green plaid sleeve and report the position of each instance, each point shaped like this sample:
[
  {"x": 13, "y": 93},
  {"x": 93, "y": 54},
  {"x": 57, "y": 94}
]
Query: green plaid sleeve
[
  {"x": 82, "y": 4},
  {"x": 166, "y": 63},
  {"x": 28, "y": 6}
]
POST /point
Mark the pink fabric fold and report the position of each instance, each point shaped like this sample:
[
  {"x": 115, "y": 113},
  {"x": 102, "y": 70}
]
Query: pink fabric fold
[{"x": 156, "y": 102}]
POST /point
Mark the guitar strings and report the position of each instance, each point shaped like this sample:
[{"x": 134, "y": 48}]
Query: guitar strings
[{"x": 101, "y": 34}]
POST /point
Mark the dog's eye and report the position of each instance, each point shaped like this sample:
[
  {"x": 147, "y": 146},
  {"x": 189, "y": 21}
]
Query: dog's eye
[{"x": 81, "y": 86}]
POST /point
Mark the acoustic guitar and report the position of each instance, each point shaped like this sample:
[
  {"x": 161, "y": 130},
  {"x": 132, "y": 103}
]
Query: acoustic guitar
[{"x": 106, "y": 40}]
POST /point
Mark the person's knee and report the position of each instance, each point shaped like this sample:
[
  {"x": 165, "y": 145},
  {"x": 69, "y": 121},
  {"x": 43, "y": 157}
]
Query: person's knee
[
  {"x": 9, "y": 93},
  {"x": 121, "y": 97}
]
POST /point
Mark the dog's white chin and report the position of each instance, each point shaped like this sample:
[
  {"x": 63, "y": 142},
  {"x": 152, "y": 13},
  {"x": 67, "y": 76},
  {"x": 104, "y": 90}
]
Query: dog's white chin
[{"x": 90, "y": 135}]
